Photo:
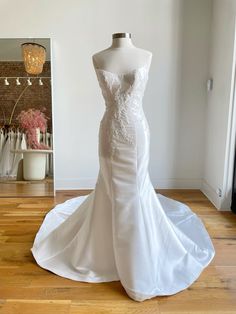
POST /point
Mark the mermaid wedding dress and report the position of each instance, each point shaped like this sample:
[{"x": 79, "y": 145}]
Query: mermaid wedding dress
[{"x": 123, "y": 230}]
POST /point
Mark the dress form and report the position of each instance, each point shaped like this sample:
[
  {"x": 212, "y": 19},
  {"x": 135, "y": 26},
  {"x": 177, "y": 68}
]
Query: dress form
[{"x": 122, "y": 56}]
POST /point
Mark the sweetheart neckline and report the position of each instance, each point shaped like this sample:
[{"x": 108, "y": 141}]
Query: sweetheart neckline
[{"x": 122, "y": 74}]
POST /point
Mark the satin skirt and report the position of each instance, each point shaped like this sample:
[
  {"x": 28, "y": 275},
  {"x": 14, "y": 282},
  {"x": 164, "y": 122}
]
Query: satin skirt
[{"x": 123, "y": 230}]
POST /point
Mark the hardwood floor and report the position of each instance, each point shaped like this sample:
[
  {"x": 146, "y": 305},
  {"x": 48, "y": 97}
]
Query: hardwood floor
[
  {"x": 27, "y": 188},
  {"x": 26, "y": 288}
]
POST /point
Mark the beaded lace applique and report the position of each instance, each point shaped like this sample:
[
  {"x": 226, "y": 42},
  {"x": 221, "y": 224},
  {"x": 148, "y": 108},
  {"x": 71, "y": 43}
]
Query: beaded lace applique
[{"x": 123, "y": 95}]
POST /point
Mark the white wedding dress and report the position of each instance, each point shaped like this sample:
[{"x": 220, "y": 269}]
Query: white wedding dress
[{"x": 123, "y": 230}]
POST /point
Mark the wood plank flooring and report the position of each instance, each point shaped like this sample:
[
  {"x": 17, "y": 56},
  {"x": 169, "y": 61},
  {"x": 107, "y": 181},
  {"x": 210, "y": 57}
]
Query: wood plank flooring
[
  {"x": 27, "y": 188},
  {"x": 26, "y": 288}
]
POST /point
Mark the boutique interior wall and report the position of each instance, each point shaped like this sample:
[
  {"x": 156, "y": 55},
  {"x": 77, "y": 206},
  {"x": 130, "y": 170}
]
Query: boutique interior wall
[
  {"x": 176, "y": 31},
  {"x": 221, "y": 106}
]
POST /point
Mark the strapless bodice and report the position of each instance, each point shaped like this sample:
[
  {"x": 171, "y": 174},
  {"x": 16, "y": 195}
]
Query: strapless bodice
[{"x": 123, "y": 92}]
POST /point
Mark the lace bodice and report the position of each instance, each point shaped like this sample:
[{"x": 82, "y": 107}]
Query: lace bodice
[{"x": 123, "y": 94}]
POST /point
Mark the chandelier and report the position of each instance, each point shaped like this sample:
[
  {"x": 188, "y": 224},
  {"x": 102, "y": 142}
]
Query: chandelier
[{"x": 34, "y": 56}]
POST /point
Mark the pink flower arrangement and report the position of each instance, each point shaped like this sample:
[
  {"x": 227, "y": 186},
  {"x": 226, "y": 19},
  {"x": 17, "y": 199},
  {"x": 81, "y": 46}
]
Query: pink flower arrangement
[{"x": 30, "y": 120}]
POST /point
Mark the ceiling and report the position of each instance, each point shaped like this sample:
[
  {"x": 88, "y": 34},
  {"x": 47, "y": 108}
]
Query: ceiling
[{"x": 10, "y": 48}]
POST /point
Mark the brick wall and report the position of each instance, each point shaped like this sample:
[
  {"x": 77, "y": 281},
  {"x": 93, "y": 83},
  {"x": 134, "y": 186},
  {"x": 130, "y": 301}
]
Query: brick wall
[{"x": 35, "y": 96}]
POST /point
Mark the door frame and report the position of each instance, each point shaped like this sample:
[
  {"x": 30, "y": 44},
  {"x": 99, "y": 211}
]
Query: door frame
[{"x": 231, "y": 137}]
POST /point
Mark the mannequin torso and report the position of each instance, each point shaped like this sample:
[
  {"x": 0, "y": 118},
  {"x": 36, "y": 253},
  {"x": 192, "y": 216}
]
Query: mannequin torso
[{"x": 122, "y": 56}]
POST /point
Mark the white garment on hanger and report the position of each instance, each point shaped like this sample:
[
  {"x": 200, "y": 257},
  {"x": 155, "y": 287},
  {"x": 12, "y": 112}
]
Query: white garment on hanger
[
  {"x": 17, "y": 156},
  {"x": 6, "y": 158}
]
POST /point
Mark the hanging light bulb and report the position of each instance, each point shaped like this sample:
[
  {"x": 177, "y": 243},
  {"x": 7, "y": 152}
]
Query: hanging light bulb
[
  {"x": 6, "y": 81},
  {"x": 29, "y": 81},
  {"x": 18, "y": 81},
  {"x": 34, "y": 56},
  {"x": 40, "y": 81}
]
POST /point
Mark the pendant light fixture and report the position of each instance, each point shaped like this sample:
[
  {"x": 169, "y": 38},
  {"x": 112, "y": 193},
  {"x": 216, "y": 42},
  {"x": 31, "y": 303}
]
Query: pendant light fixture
[{"x": 34, "y": 56}]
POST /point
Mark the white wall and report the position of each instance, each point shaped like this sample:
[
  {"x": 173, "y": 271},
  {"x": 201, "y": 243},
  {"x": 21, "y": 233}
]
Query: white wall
[
  {"x": 9, "y": 48},
  {"x": 176, "y": 31},
  {"x": 216, "y": 174},
  {"x": 193, "y": 94}
]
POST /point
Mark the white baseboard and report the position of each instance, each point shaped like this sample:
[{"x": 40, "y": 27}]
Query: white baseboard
[
  {"x": 207, "y": 190},
  {"x": 212, "y": 195},
  {"x": 75, "y": 184},
  {"x": 89, "y": 183},
  {"x": 177, "y": 183}
]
